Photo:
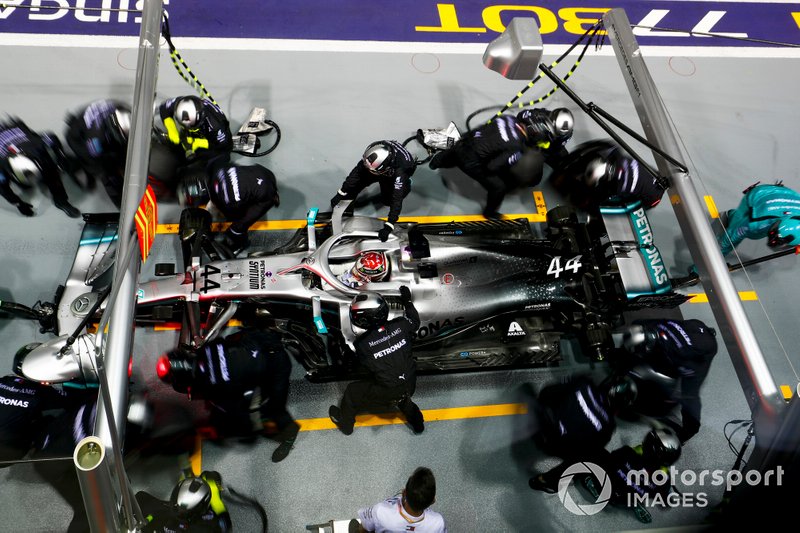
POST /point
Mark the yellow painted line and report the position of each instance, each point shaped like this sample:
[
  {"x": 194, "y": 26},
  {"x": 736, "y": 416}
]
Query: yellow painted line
[
  {"x": 712, "y": 207},
  {"x": 702, "y": 298},
  {"x": 273, "y": 225},
  {"x": 234, "y": 323},
  {"x": 430, "y": 415},
  {"x": 386, "y": 419},
  {"x": 196, "y": 459},
  {"x": 787, "y": 392}
]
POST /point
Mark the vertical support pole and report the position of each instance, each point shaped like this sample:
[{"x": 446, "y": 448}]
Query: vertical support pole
[
  {"x": 761, "y": 393},
  {"x": 113, "y": 401},
  {"x": 94, "y": 477}
]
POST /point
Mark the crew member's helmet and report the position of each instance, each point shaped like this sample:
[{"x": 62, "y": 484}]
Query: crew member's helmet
[
  {"x": 378, "y": 157},
  {"x": 177, "y": 369},
  {"x": 193, "y": 190},
  {"x": 563, "y": 123},
  {"x": 661, "y": 447},
  {"x": 189, "y": 111},
  {"x": 191, "y": 498},
  {"x": 597, "y": 172},
  {"x": 369, "y": 310},
  {"x": 547, "y": 125},
  {"x": 120, "y": 125},
  {"x": 784, "y": 232},
  {"x": 621, "y": 392},
  {"x": 370, "y": 267},
  {"x": 24, "y": 170}
]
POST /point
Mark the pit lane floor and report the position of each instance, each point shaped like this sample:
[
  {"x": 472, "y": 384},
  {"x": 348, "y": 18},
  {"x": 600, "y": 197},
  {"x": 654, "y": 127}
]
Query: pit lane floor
[{"x": 736, "y": 130}]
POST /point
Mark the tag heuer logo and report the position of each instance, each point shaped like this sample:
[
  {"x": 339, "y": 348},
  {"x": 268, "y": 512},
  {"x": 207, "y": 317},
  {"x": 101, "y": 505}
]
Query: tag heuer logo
[{"x": 515, "y": 330}]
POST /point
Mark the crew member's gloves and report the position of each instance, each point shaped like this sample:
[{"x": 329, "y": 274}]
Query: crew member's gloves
[
  {"x": 338, "y": 197},
  {"x": 405, "y": 294},
  {"x": 383, "y": 234},
  {"x": 25, "y": 209}
]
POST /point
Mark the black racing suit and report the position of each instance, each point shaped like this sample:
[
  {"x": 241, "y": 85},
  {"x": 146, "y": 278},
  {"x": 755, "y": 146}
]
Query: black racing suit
[
  {"x": 227, "y": 372},
  {"x": 386, "y": 352},
  {"x": 395, "y": 183},
  {"x": 573, "y": 416},
  {"x": 47, "y": 422},
  {"x": 101, "y": 148},
  {"x": 209, "y": 143},
  {"x": 684, "y": 351},
  {"x": 243, "y": 194},
  {"x": 628, "y": 470},
  {"x": 22, "y": 406},
  {"x": 43, "y": 149},
  {"x": 486, "y": 154},
  {"x": 628, "y": 181}
]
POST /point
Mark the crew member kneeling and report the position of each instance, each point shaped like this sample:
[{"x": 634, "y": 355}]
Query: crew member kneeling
[
  {"x": 385, "y": 350},
  {"x": 226, "y": 373}
]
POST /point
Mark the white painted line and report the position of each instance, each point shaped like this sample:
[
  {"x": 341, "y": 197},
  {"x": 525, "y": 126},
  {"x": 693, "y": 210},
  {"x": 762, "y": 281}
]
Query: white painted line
[{"x": 307, "y": 45}]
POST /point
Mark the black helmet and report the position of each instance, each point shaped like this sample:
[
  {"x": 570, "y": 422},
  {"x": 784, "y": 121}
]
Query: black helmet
[
  {"x": 193, "y": 190},
  {"x": 177, "y": 369},
  {"x": 369, "y": 310},
  {"x": 544, "y": 125},
  {"x": 191, "y": 498},
  {"x": 378, "y": 157},
  {"x": 661, "y": 446},
  {"x": 188, "y": 111},
  {"x": 622, "y": 391}
]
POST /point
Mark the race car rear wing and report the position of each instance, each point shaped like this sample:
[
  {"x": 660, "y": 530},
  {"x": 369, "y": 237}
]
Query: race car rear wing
[{"x": 638, "y": 260}]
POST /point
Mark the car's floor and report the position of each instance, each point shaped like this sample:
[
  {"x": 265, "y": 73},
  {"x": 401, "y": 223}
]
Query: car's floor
[{"x": 736, "y": 130}]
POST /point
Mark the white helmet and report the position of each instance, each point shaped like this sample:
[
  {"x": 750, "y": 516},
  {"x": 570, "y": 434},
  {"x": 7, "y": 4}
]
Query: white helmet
[
  {"x": 563, "y": 123},
  {"x": 24, "y": 171},
  {"x": 378, "y": 157},
  {"x": 188, "y": 111}
]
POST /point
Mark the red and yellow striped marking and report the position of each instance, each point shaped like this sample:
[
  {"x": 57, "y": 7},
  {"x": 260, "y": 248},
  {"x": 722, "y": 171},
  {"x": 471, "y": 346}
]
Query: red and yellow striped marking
[{"x": 146, "y": 220}]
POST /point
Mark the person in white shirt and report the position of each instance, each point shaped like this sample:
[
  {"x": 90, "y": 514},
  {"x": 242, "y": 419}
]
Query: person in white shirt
[{"x": 408, "y": 511}]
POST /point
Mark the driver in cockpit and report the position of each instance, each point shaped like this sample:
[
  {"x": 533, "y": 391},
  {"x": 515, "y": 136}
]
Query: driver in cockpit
[{"x": 368, "y": 268}]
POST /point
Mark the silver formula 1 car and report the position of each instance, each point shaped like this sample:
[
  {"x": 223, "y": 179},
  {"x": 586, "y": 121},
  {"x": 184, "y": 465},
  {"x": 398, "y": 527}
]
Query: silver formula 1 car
[{"x": 490, "y": 294}]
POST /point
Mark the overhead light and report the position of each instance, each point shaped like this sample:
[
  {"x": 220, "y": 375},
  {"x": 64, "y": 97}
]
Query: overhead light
[{"x": 517, "y": 52}]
